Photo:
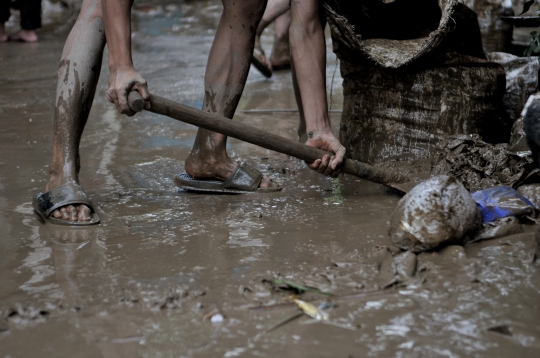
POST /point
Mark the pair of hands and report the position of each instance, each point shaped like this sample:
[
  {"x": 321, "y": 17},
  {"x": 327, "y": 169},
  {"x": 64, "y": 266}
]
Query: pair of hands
[{"x": 124, "y": 79}]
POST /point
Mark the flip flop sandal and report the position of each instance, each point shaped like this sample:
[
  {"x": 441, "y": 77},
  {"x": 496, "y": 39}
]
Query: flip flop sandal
[
  {"x": 259, "y": 64},
  {"x": 68, "y": 194},
  {"x": 244, "y": 179}
]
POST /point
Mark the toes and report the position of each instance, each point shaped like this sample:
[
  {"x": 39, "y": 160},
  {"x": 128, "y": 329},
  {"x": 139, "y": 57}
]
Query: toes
[
  {"x": 65, "y": 214},
  {"x": 73, "y": 212},
  {"x": 85, "y": 214},
  {"x": 57, "y": 214}
]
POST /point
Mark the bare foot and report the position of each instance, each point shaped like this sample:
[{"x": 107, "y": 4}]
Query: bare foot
[
  {"x": 261, "y": 62},
  {"x": 69, "y": 212},
  {"x": 24, "y": 36},
  {"x": 3, "y": 36},
  {"x": 210, "y": 168},
  {"x": 280, "y": 59}
]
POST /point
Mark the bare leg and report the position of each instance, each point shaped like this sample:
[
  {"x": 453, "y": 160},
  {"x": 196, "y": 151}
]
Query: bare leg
[
  {"x": 226, "y": 74},
  {"x": 3, "y": 36},
  {"x": 274, "y": 10},
  {"x": 308, "y": 49},
  {"x": 77, "y": 79},
  {"x": 281, "y": 51}
]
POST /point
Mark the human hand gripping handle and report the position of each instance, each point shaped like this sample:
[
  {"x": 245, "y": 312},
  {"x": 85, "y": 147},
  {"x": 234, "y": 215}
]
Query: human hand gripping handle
[
  {"x": 214, "y": 122},
  {"x": 325, "y": 140},
  {"x": 124, "y": 81}
]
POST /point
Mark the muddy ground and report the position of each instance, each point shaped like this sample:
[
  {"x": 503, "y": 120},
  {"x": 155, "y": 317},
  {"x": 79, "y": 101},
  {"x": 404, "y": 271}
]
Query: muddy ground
[{"x": 146, "y": 281}]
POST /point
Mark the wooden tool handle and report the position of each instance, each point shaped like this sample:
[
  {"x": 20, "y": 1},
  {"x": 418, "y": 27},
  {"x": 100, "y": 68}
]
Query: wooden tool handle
[{"x": 259, "y": 137}]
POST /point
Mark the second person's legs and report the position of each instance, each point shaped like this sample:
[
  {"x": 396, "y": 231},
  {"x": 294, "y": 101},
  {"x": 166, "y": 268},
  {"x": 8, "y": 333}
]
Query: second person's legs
[{"x": 30, "y": 21}]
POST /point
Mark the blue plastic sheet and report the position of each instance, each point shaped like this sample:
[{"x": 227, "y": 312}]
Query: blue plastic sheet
[{"x": 502, "y": 201}]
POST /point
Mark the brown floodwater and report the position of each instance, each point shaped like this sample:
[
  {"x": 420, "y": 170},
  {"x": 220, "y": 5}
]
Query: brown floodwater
[{"x": 175, "y": 274}]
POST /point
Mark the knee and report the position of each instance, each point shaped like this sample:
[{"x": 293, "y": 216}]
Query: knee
[{"x": 247, "y": 11}]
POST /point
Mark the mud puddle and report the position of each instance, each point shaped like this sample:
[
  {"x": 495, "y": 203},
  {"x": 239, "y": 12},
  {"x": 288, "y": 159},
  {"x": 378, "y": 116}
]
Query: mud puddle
[{"x": 149, "y": 279}]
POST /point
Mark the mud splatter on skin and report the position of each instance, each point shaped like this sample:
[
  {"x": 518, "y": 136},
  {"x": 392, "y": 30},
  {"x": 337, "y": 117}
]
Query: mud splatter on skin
[
  {"x": 78, "y": 75},
  {"x": 227, "y": 71}
]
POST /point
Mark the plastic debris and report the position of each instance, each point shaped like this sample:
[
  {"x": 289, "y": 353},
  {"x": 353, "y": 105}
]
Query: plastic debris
[
  {"x": 502, "y": 201},
  {"x": 311, "y": 310}
]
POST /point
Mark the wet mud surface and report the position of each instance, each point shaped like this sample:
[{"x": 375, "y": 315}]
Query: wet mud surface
[{"x": 175, "y": 274}]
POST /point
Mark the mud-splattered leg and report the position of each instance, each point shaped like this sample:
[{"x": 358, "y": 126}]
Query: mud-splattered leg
[
  {"x": 226, "y": 74},
  {"x": 78, "y": 75}
]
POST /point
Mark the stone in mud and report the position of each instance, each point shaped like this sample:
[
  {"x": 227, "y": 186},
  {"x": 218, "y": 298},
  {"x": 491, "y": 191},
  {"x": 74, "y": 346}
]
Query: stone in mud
[
  {"x": 437, "y": 212},
  {"x": 396, "y": 268},
  {"x": 3, "y": 326}
]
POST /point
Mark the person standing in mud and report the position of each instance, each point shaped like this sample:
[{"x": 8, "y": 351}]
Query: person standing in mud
[
  {"x": 30, "y": 20},
  {"x": 108, "y": 21}
]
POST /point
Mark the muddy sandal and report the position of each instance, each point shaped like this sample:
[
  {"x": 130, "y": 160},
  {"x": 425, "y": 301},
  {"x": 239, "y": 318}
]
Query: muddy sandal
[
  {"x": 244, "y": 179},
  {"x": 256, "y": 60},
  {"x": 68, "y": 194}
]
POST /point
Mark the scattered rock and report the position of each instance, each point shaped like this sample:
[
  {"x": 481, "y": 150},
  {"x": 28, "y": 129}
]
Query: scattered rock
[
  {"x": 396, "y": 269},
  {"x": 405, "y": 264},
  {"x": 438, "y": 211},
  {"x": 387, "y": 271},
  {"x": 3, "y": 326}
]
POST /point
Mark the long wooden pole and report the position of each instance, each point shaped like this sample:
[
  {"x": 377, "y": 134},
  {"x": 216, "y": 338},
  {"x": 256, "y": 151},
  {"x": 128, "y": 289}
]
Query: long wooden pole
[{"x": 250, "y": 134}]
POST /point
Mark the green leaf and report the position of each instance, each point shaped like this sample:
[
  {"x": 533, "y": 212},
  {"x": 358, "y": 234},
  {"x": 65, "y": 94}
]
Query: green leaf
[
  {"x": 299, "y": 287},
  {"x": 527, "y": 6}
]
